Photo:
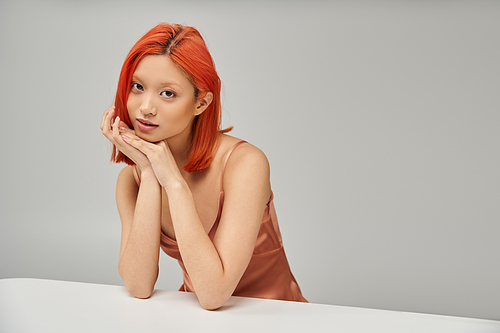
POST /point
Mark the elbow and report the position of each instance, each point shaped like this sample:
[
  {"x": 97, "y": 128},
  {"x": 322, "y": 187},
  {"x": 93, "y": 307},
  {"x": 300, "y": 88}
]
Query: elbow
[
  {"x": 139, "y": 291},
  {"x": 139, "y": 287},
  {"x": 211, "y": 306},
  {"x": 212, "y": 302}
]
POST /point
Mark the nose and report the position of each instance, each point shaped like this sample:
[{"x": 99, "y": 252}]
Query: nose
[{"x": 147, "y": 107}]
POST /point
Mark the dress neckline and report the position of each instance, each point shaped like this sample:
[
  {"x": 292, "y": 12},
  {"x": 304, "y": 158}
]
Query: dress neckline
[{"x": 220, "y": 201}]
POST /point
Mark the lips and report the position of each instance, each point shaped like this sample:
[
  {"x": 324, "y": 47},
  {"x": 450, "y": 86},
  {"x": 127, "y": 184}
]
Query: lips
[{"x": 145, "y": 125}]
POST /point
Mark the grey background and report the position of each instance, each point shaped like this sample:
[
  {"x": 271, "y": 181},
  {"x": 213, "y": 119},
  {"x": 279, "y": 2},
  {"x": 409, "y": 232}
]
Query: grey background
[{"x": 380, "y": 120}]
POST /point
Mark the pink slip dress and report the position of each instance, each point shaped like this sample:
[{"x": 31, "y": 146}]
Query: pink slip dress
[{"x": 268, "y": 274}]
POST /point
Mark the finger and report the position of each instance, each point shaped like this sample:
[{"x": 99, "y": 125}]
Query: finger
[
  {"x": 106, "y": 125},
  {"x": 138, "y": 143},
  {"x": 109, "y": 111},
  {"x": 116, "y": 135},
  {"x": 123, "y": 125},
  {"x": 162, "y": 144},
  {"x": 129, "y": 132},
  {"x": 123, "y": 128},
  {"x": 130, "y": 139},
  {"x": 114, "y": 128},
  {"x": 104, "y": 115}
]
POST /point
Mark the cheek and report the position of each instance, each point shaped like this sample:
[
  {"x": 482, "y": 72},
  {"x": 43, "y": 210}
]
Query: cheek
[
  {"x": 131, "y": 106},
  {"x": 180, "y": 113}
]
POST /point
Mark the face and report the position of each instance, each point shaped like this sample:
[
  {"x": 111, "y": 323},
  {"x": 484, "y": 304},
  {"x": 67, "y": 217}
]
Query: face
[{"x": 161, "y": 103}]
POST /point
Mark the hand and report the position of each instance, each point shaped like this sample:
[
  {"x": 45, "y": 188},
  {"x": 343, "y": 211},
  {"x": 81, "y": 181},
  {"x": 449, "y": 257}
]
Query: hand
[
  {"x": 113, "y": 131},
  {"x": 160, "y": 157}
]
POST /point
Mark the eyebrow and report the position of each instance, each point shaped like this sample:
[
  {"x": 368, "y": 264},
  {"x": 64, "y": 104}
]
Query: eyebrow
[
  {"x": 166, "y": 83},
  {"x": 170, "y": 84}
]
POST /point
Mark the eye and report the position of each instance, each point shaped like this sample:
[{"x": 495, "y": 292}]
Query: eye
[
  {"x": 136, "y": 86},
  {"x": 168, "y": 94}
]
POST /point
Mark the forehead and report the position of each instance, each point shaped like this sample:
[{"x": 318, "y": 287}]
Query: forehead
[{"x": 159, "y": 69}]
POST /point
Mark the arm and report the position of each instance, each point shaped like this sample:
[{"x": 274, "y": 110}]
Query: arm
[
  {"x": 214, "y": 268},
  {"x": 139, "y": 210}
]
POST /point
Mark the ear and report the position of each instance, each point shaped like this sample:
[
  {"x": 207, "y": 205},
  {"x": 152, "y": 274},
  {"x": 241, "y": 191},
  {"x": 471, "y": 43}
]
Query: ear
[{"x": 203, "y": 103}]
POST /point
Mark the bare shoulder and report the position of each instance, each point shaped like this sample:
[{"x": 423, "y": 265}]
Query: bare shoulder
[
  {"x": 126, "y": 175},
  {"x": 245, "y": 155},
  {"x": 246, "y": 163},
  {"x": 125, "y": 183}
]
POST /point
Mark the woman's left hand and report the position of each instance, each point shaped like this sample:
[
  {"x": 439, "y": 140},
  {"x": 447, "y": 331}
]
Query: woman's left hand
[{"x": 159, "y": 155}]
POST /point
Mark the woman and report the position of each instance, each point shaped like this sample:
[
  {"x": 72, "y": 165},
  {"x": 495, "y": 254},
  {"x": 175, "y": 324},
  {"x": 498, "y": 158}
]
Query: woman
[{"x": 200, "y": 195}]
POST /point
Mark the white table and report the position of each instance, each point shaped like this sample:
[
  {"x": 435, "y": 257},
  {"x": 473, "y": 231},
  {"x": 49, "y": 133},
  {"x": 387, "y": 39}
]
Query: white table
[{"x": 35, "y": 305}]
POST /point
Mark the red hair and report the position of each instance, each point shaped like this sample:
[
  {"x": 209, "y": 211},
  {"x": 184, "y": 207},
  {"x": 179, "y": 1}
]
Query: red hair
[{"x": 187, "y": 49}]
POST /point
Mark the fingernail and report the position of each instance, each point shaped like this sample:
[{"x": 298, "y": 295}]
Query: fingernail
[{"x": 124, "y": 137}]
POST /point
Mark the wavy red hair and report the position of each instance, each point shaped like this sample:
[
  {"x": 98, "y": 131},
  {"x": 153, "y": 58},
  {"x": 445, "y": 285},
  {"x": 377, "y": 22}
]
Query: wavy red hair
[{"x": 187, "y": 49}]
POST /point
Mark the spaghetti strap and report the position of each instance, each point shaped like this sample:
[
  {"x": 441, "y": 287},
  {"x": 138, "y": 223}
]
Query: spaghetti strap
[
  {"x": 225, "y": 162},
  {"x": 138, "y": 180}
]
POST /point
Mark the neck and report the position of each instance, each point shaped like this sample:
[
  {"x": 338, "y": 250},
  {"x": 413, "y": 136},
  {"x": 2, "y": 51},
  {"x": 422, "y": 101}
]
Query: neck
[{"x": 180, "y": 149}]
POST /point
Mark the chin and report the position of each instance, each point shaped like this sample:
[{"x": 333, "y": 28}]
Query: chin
[{"x": 148, "y": 138}]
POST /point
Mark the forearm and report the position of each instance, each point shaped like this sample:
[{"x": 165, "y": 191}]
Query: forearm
[
  {"x": 199, "y": 255},
  {"x": 138, "y": 264}
]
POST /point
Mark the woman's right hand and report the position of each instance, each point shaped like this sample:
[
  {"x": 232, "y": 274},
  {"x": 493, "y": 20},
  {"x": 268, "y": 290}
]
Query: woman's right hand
[{"x": 113, "y": 131}]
